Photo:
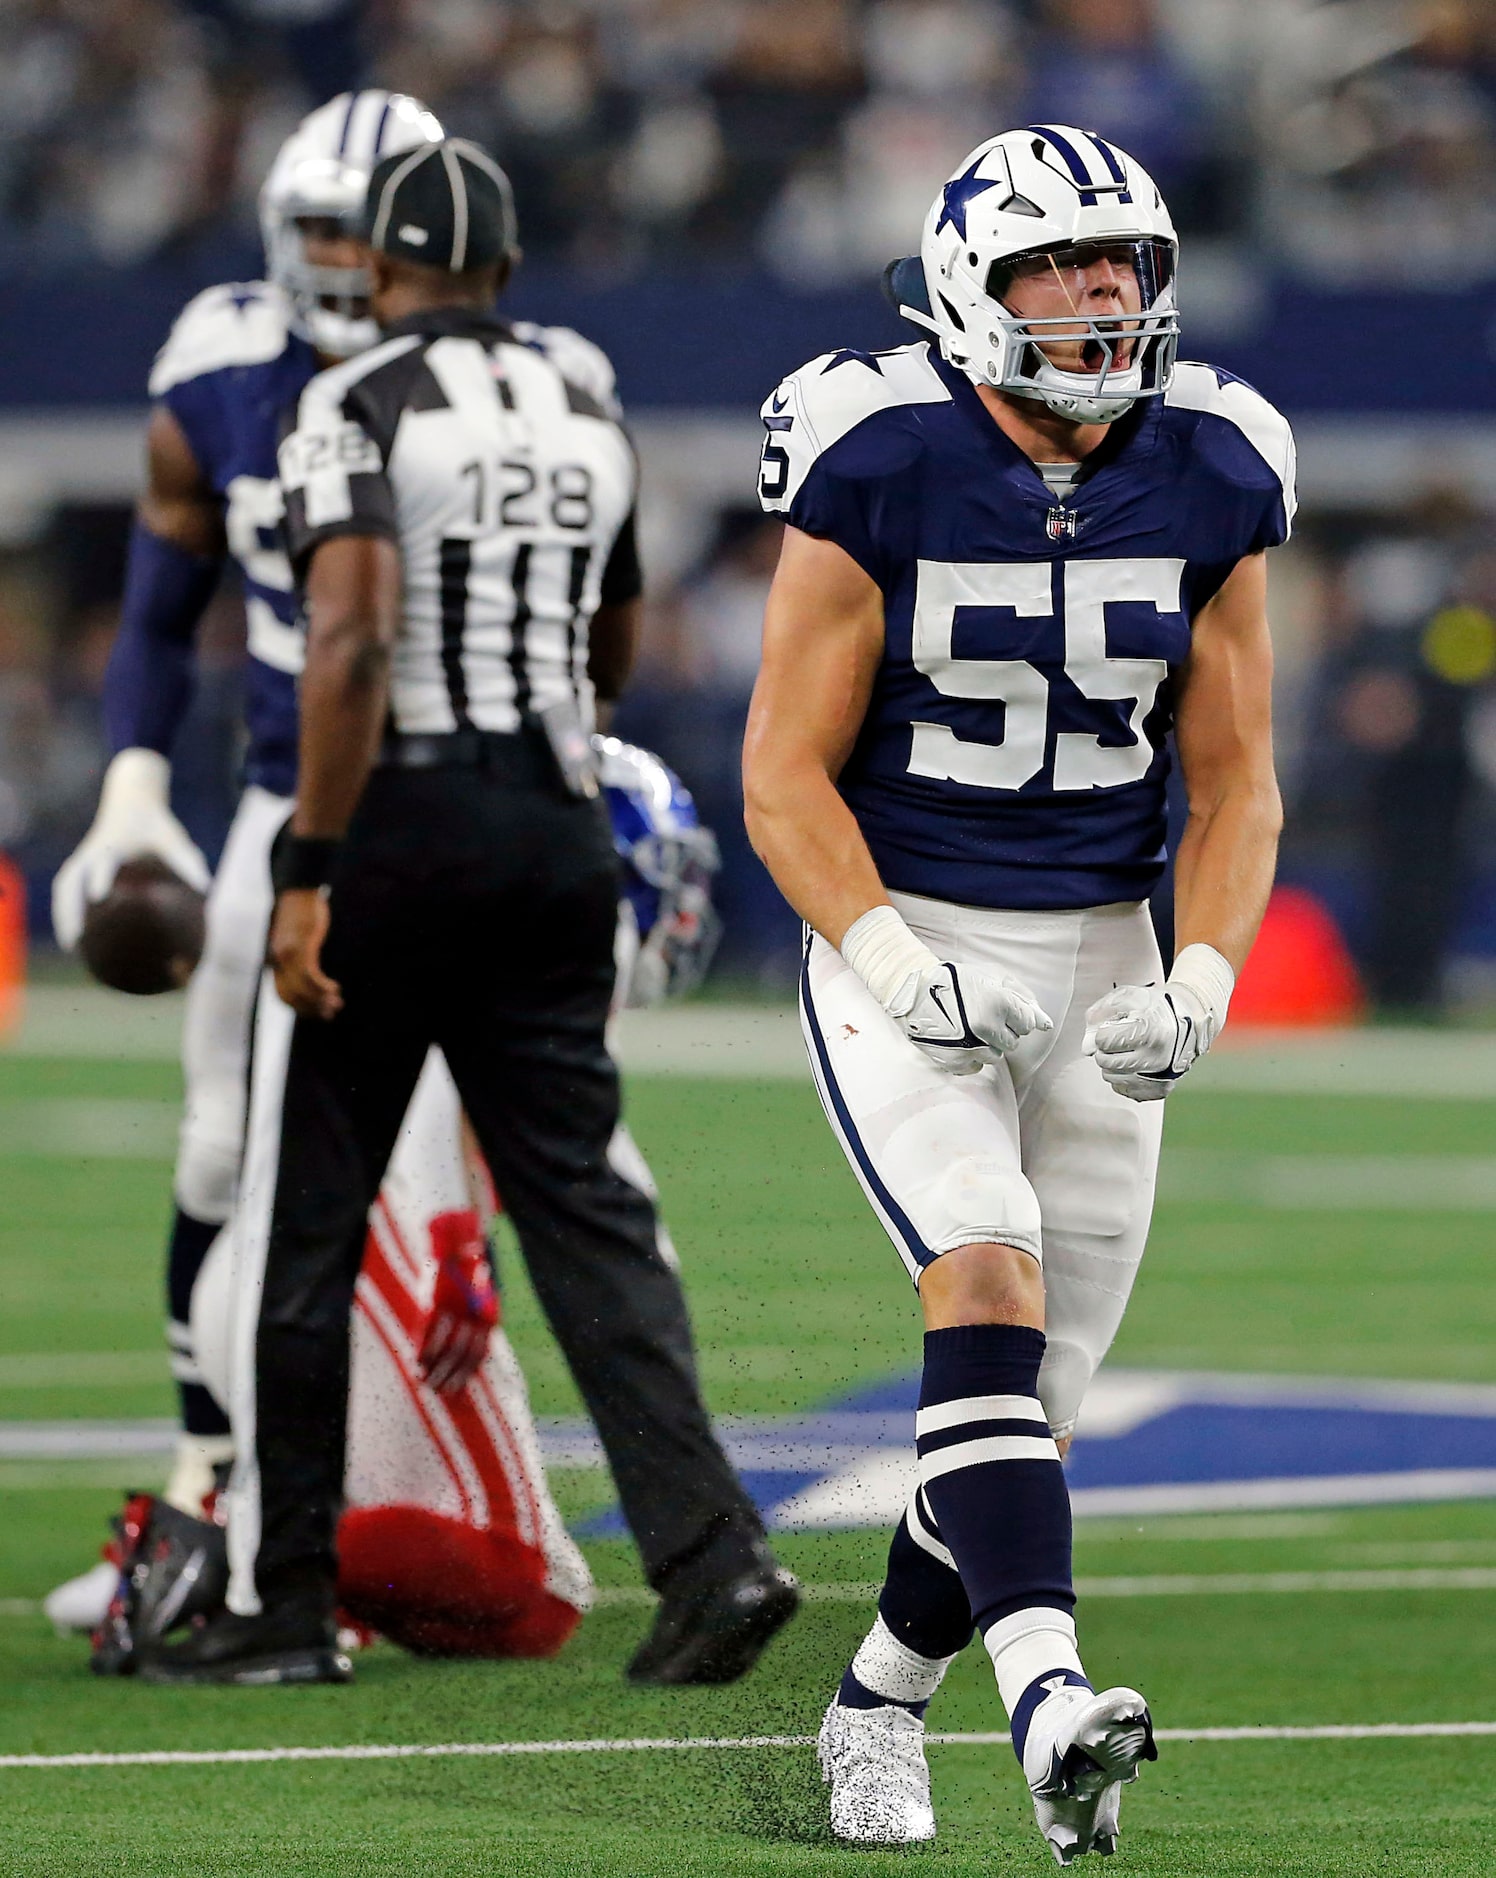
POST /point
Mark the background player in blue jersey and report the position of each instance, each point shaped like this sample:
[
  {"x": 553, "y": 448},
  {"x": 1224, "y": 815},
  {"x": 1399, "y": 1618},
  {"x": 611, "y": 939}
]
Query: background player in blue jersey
[
  {"x": 1019, "y": 555},
  {"x": 237, "y": 356}
]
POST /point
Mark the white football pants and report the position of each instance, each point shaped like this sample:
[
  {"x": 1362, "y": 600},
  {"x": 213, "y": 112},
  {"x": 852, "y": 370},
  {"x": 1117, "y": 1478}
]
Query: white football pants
[
  {"x": 1037, "y": 1152},
  {"x": 220, "y": 1009}
]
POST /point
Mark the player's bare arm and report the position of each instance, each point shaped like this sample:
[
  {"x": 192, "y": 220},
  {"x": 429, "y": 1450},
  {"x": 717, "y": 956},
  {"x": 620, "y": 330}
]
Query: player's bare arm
[
  {"x": 353, "y": 609},
  {"x": 178, "y": 503},
  {"x": 176, "y": 553},
  {"x": 823, "y": 637},
  {"x": 1223, "y": 726}
]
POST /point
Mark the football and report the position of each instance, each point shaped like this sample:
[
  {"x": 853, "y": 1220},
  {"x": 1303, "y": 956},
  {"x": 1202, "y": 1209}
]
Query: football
[{"x": 146, "y": 935}]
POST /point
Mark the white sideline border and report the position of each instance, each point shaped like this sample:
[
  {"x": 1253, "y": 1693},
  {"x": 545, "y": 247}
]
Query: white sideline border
[{"x": 410, "y": 1751}]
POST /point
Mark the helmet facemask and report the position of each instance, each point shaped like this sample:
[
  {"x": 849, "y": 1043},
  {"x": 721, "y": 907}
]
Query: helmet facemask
[
  {"x": 1108, "y": 360},
  {"x": 329, "y": 305}
]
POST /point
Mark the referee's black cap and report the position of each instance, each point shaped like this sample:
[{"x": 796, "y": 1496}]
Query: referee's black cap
[{"x": 446, "y": 205}]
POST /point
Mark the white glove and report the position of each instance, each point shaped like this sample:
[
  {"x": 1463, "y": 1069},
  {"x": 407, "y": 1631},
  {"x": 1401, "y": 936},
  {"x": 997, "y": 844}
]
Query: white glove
[
  {"x": 133, "y": 818},
  {"x": 1144, "y": 1037},
  {"x": 959, "y": 1017},
  {"x": 963, "y": 1019}
]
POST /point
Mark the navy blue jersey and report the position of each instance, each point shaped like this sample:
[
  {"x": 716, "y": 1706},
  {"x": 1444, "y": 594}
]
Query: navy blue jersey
[
  {"x": 229, "y": 369},
  {"x": 1014, "y": 752}
]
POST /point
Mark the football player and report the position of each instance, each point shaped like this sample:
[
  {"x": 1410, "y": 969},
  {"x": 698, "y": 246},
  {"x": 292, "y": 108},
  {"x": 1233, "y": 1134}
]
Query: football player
[
  {"x": 237, "y": 356},
  {"x": 1021, "y": 552}
]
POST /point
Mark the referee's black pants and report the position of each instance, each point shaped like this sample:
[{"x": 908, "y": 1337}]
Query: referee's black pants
[{"x": 474, "y": 908}]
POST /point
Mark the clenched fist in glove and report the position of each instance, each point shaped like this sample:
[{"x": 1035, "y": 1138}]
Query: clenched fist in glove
[
  {"x": 959, "y": 1017},
  {"x": 1144, "y": 1037},
  {"x": 134, "y": 818},
  {"x": 464, "y": 1305}
]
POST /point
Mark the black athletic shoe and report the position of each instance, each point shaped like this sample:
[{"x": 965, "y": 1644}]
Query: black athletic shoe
[
  {"x": 718, "y": 1634},
  {"x": 291, "y": 1644}
]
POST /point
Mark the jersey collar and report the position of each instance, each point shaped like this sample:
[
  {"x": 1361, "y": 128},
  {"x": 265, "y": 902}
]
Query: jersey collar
[
  {"x": 1136, "y": 431},
  {"x": 450, "y": 322}
]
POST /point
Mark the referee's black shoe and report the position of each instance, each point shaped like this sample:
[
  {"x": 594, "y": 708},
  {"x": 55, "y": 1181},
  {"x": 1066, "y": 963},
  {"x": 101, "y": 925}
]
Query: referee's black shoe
[
  {"x": 294, "y": 1642},
  {"x": 716, "y": 1634}
]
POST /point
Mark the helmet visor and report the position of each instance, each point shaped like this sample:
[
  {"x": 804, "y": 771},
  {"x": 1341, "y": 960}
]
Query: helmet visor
[{"x": 1075, "y": 267}]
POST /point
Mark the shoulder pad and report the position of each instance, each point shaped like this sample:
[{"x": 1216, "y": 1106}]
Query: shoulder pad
[
  {"x": 817, "y": 406},
  {"x": 1218, "y": 394},
  {"x": 240, "y": 323},
  {"x": 578, "y": 360}
]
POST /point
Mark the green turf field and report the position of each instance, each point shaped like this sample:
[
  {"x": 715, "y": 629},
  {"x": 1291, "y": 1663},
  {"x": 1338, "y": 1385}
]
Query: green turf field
[{"x": 798, "y": 1298}]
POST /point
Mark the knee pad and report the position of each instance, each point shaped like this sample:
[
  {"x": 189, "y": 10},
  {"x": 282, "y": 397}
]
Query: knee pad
[
  {"x": 1064, "y": 1376},
  {"x": 977, "y": 1200}
]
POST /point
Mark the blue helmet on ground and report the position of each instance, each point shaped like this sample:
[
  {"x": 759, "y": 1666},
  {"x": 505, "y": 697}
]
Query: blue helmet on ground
[{"x": 669, "y": 928}]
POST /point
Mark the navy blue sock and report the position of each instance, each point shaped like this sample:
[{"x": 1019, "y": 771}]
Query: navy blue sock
[
  {"x": 990, "y": 1471},
  {"x": 190, "y": 1241},
  {"x": 852, "y": 1694},
  {"x": 922, "y": 1600},
  {"x": 1038, "y": 1691}
]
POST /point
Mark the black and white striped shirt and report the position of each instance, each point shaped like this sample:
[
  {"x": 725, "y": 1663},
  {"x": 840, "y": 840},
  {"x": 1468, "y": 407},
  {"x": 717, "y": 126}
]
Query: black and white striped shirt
[{"x": 507, "y": 483}]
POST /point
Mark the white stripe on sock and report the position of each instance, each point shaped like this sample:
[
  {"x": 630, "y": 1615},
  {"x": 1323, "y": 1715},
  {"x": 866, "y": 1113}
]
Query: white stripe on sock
[
  {"x": 981, "y": 1453},
  {"x": 921, "y": 1531},
  {"x": 1028, "y": 1645},
  {"x": 980, "y": 1408}
]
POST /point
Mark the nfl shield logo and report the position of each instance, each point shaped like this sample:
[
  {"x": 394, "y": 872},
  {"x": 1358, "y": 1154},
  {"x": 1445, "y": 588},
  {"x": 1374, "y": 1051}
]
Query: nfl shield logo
[{"x": 1059, "y": 523}]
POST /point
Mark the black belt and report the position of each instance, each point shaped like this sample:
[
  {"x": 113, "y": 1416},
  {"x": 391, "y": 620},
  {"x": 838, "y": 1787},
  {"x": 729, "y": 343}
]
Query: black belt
[{"x": 520, "y": 753}]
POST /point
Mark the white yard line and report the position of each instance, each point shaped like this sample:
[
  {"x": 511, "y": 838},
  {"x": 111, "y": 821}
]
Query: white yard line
[
  {"x": 406, "y": 1751},
  {"x": 1156, "y": 1585}
]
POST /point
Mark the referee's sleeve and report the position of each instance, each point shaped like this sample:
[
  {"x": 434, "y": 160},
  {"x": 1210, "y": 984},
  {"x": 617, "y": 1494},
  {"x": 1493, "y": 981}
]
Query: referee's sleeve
[
  {"x": 333, "y": 477},
  {"x": 623, "y": 579}
]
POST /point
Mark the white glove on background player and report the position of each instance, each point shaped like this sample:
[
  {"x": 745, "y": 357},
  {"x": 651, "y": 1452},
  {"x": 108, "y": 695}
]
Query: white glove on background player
[
  {"x": 1144, "y": 1037},
  {"x": 133, "y": 818},
  {"x": 959, "y": 1017}
]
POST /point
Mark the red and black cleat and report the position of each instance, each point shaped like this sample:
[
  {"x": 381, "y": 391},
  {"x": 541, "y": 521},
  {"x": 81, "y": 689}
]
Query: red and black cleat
[{"x": 173, "y": 1568}]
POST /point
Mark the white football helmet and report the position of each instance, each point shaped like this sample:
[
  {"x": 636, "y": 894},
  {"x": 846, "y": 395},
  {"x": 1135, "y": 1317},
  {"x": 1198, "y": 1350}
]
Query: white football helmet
[
  {"x": 322, "y": 170},
  {"x": 1032, "y": 195}
]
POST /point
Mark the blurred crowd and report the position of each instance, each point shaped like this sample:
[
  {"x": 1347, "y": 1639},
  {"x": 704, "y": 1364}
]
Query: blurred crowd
[{"x": 804, "y": 136}]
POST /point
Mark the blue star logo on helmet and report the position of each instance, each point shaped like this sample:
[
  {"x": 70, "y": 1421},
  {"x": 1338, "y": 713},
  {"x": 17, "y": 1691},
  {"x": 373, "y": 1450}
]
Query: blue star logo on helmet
[{"x": 959, "y": 192}]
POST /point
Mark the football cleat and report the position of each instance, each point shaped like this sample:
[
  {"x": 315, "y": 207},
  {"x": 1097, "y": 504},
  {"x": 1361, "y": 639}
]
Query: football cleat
[
  {"x": 1082, "y": 1749},
  {"x": 292, "y": 1644},
  {"x": 873, "y": 1760},
  {"x": 173, "y": 1568}
]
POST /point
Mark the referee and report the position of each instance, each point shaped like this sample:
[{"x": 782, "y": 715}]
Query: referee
[{"x": 460, "y": 517}]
